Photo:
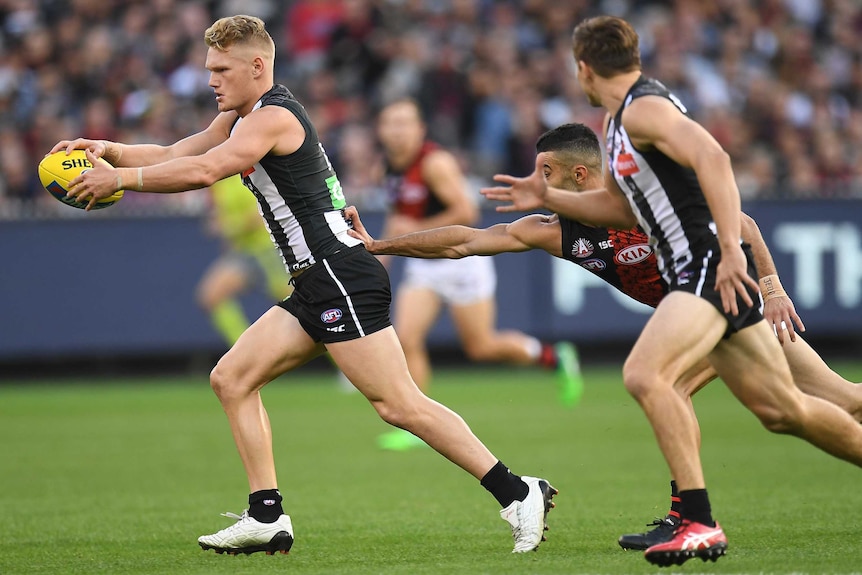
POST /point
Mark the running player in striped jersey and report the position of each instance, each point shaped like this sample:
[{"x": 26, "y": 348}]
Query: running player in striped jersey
[
  {"x": 341, "y": 292},
  {"x": 668, "y": 174}
]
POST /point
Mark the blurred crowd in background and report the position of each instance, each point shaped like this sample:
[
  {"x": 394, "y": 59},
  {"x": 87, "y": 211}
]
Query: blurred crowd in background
[{"x": 777, "y": 82}]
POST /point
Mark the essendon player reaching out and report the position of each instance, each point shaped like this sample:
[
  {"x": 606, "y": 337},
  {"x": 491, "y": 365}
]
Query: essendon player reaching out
[{"x": 572, "y": 161}]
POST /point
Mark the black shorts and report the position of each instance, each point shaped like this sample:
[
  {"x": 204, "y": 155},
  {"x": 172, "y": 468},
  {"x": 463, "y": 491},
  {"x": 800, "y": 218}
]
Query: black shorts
[
  {"x": 698, "y": 278},
  {"x": 342, "y": 297}
]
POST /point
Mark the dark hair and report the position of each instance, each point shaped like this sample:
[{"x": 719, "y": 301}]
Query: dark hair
[
  {"x": 608, "y": 45},
  {"x": 575, "y": 139}
]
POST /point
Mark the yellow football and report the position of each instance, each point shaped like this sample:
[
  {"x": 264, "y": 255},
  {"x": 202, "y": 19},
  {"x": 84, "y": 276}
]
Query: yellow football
[{"x": 57, "y": 170}]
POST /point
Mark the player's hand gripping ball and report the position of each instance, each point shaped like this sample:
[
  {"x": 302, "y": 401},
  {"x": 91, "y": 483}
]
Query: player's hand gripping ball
[{"x": 57, "y": 170}]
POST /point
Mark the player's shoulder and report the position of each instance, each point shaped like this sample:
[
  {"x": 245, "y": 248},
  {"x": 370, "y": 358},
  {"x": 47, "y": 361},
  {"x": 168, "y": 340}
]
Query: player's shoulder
[
  {"x": 649, "y": 96},
  {"x": 647, "y": 117},
  {"x": 642, "y": 108},
  {"x": 437, "y": 160},
  {"x": 536, "y": 221},
  {"x": 273, "y": 119},
  {"x": 537, "y": 231},
  {"x": 277, "y": 95},
  {"x": 279, "y": 102},
  {"x": 646, "y": 86},
  {"x": 431, "y": 152}
]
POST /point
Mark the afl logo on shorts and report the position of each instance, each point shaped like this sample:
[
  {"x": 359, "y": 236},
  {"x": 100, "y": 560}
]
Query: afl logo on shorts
[
  {"x": 593, "y": 265},
  {"x": 331, "y": 315}
]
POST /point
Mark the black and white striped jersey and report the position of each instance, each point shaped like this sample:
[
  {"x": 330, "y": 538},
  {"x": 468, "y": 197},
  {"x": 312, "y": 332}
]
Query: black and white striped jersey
[
  {"x": 665, "y": 196},
  {"x": 299, "y": 195}
]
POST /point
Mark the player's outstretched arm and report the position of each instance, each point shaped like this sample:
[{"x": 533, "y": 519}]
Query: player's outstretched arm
[
  {"x": 270, "y": 129},
  {"x": 601, "y": 207},
  {"x": 447, "y": 242},
  {"x": 778, "y": 308},
  {"x": 135, "y": 155}
]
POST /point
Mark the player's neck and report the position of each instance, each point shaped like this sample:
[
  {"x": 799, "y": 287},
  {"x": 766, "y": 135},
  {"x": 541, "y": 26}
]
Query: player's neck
[
  {"x": 614, "y": 90},
  {"x": 248, "y": 108}
]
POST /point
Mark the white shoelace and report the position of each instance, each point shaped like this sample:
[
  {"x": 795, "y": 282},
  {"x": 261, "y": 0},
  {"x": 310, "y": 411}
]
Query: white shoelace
[
  {"x": 240, "y": 519},
  {"x": 235, "y": 516}
]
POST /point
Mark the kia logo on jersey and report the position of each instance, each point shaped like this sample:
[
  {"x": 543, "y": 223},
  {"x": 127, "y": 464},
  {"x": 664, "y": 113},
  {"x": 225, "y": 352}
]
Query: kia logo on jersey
[
  {"x": 331, "y": 315},
  {"x": 633, "y": 254}
]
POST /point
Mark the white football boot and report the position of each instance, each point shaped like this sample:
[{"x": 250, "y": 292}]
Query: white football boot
[
  {"x": 528, "y": 518},
  {"x": 248, "y": 535}
]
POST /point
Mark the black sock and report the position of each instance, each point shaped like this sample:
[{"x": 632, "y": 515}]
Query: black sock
[
  {"x": 695, "y": 506},
  {"x": 675, "y": 501},
  {"x": 504, "y": 485},
  {"x": 265, "y": 505}
]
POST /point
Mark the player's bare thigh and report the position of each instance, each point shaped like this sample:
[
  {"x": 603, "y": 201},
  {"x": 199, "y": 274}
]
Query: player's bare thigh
[
  {"x": 753, "y": 366},
  {"x": 813, "y": 376},
  {"x": 680, "y": 334},
  {"x": 375, "y": 365},
  {"x": 273, "y": 345}
]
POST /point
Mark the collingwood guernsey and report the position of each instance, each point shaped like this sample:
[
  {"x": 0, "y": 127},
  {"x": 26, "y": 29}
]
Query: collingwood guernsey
[
  {"x": 299, "y": 194},
  {"x": 666, "y": 198}
]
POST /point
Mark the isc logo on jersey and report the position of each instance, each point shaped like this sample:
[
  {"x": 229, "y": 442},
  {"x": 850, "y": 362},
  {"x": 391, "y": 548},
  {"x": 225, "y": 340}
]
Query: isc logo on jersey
[{"x": 632, "y": 255}]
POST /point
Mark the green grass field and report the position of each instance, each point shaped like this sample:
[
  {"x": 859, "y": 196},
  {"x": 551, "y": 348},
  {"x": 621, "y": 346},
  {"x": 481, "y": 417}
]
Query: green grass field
[{"x": 121, "y": 477}]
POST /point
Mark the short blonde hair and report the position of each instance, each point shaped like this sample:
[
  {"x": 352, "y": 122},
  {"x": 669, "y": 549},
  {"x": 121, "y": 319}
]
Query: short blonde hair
[{"x": 242, "y": 30}]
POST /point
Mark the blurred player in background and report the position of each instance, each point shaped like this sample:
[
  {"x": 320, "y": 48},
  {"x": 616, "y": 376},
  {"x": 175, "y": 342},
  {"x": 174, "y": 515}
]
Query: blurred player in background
[
  {"x": 341, "y": 295},
  {"x": 573, "y": 162},
  {"x": 427, "y": 189},
  {"x": 667, "y": 173},
  {"x": 247, "y": 261}
]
